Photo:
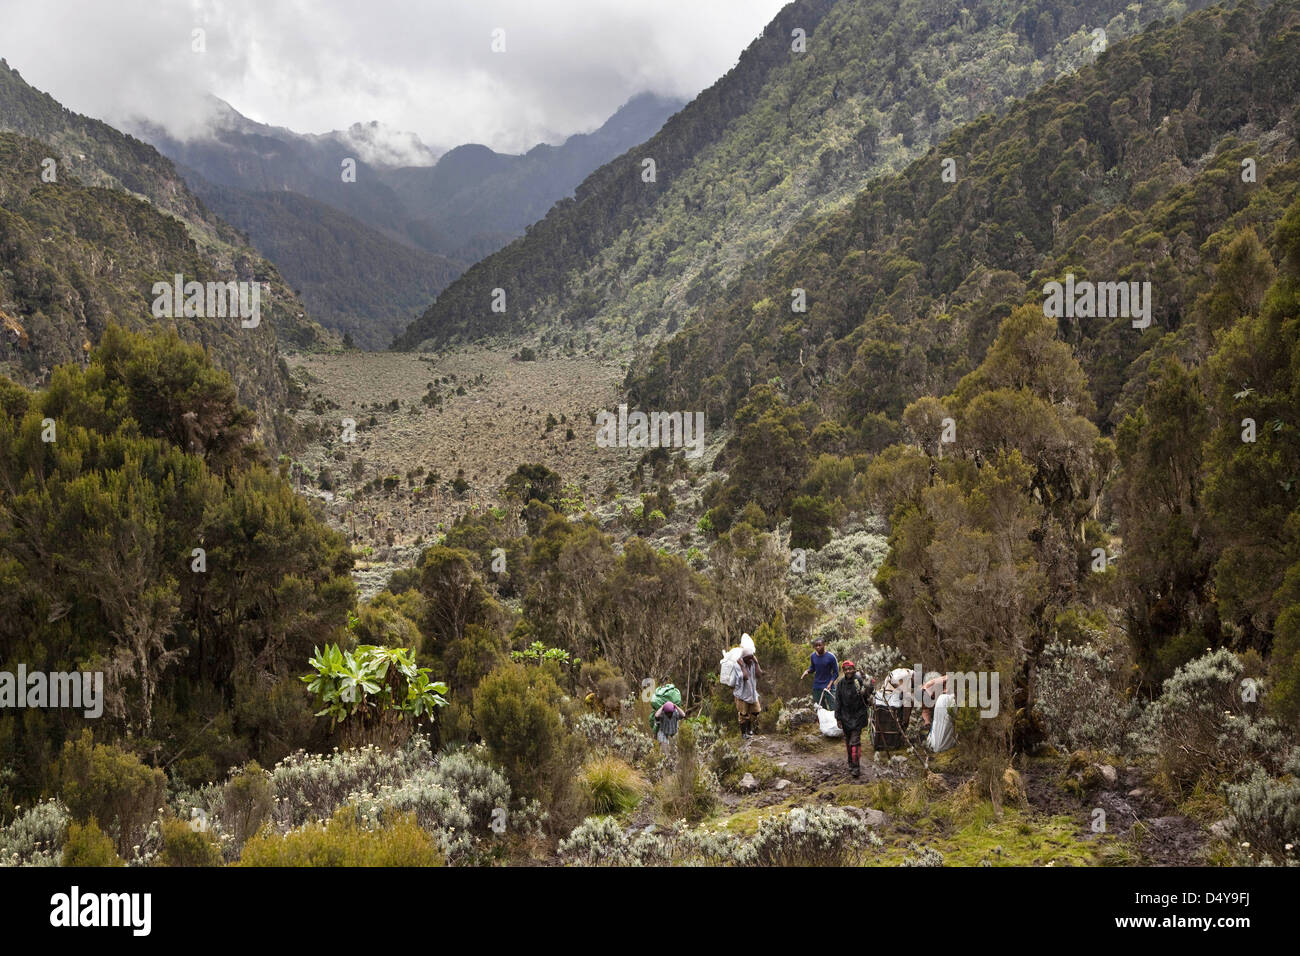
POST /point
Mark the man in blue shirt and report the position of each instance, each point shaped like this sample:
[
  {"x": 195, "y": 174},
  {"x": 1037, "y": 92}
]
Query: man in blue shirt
[{"x": 824, "y": 668}]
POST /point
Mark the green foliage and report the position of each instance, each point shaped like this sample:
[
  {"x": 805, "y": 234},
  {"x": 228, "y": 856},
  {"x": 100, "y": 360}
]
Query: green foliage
[
  {"x": 88, "y": 845},
  {"x": 345, "y": 842},
  {"x": 610, "y": 785},
  {"x": 150, "y": 541},
  {"x": 538, "y": 653},
  {"x": 102, "y": 782},
  {"x": 517, "y": 712},
  {"x": 247, "y": 800},
  {"x": 183, "y": 845},
  {"x": 372, "y": 690}
]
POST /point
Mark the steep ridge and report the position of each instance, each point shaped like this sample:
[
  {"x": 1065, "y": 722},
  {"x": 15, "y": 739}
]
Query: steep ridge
[
  {"x": 784, "y": 134},
  {"x": 87, "y": 248},
  {"x": 1131, "y": 170}
]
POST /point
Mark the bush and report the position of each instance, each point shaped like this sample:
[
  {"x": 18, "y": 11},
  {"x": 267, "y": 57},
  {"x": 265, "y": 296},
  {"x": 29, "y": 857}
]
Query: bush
[
  {"x": 782, "y": 662},
  {"x": 811, "y": 836},
  {"x": 611, "y": 786},
  {"x": 1075, "y": 700},
  {"x": 922, "y": 856},
  {"x": 600, "y": 841},
  {"x": 103, "y": 782},
  {"x": 690, "y": 791},
  {"x": 517, "y": 713},
  {"x": 247, "y": 800},
  {"x": 480, "y": 787},
  {"x": 1201, "y": 727},
  {"x": 606, "y": 735},
  {"x": 420, "y": 797},
  {"x": 311, "y": 787},
  {"x": 345, "y": 842},
  {"x": 88, "y": 845},
  {"x": 36, "y": 836},
  {"x": 1266, "y": 812},
  {"x": 185, "y": 846},
  {"x": 806, "y": 836}
]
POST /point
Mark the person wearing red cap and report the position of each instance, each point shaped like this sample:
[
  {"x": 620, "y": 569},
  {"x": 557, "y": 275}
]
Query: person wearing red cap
[{"x": 852, "y": 713}]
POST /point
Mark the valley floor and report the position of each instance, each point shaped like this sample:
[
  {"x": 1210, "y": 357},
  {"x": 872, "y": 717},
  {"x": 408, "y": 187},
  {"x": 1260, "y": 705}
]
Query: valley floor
[{"x": 498, "y": 422}]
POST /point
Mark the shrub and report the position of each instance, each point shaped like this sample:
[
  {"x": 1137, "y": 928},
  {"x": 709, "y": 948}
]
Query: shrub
[
  {"x": 183, "y": 845},
  {"x": 1075, "y": 700},
  {"x": 517, "y": 713},
  {"x": 810, "y": 522},
  {"x": 600, "y": 841},
  {"x": 611, "y": 786},
  {"x": 420, "y": 797},
  {"x": 103, "y": 782},
  {"x": 88, "y": 845},
  {"x": 606, "y": 735},
  {"x": 806, "y": 836},
  {"x": 377, "y": 693},
  {"x": 782, "y": 662},
  {"x": 922, "y": 856},
  {"x": 247, "y": 800},
  {"x": 811, "y": 836},
  {"x": 345, "y": 842},
  {"x": 689, "y": 792},
  {"x": 311, "y": 787},
  {"x": 1200, "y": 726},
  {"x": 1266, "y": 812},
  {"x": 479, "y": 786},
  {"x": 36, "y": 836}
]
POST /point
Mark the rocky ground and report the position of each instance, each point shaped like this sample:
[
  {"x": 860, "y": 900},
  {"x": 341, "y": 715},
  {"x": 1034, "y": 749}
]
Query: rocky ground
[{"x": 1048, "y": 817}]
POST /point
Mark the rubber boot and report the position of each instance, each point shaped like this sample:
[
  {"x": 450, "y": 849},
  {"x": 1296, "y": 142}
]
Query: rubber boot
[
  {"x": 857, "y": 761},
  {"x": 848, "y": 748}
]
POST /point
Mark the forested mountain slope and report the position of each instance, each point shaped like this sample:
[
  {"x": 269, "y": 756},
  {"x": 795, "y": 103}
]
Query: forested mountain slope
[
  {"x": 782, "y": 135},
  {"x": 1130, "y": 170},
  {"x": 355, "y": 279},
  {"x": 85, "y": 250}
]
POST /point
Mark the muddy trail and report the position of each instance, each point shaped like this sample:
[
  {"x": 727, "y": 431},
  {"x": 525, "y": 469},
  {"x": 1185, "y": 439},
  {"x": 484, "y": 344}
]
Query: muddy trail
[{"x": 1054, "y": 803}]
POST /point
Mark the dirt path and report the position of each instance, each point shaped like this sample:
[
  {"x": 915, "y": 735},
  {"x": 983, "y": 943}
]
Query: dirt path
[{"x": 815, "y": 769}]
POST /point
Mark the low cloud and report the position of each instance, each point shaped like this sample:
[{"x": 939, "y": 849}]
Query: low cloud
[{"x": 423, "y": 67}]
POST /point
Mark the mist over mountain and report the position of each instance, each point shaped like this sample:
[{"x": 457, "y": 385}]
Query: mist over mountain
[{"x": 411, "y": 228}]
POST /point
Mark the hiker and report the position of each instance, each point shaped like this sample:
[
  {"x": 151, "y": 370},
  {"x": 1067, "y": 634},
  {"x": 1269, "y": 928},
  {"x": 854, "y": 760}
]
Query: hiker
[
  {"x": 667, "y": 718},
  {"x": 824, "y": 668},
  {"x": 745, "y": 691},
  {"x": 852, "y": 713},
  {"x": 942, "y": 734},
  {"x": 893, "y": 711}
]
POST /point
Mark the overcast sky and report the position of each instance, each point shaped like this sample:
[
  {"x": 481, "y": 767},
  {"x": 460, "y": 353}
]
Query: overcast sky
[{"x": 419, "y": 65}]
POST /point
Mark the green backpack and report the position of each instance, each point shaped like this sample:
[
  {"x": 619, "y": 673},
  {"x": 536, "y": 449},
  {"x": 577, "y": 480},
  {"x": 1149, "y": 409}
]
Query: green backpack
[{"x": 663, "y": 693}]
